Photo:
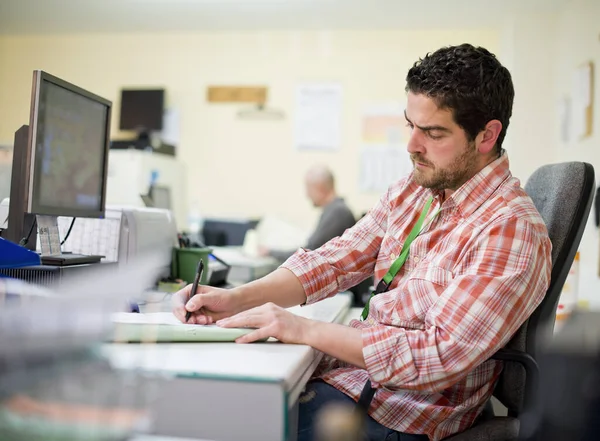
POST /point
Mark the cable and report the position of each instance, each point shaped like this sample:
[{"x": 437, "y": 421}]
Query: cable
[
  {"x": 68, "y": 232},
  {"x": 24, "y": 241},
  {"x": 3, "y": 229}
]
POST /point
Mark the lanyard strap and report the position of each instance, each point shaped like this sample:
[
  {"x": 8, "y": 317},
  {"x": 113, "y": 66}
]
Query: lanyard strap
[{"x": 384, "y": 283}]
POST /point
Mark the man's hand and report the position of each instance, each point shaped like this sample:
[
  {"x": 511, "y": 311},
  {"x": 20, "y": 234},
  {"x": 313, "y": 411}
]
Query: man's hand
[
  {"x": 207, "y": 305},
  {"x": 270, "y": 321}
]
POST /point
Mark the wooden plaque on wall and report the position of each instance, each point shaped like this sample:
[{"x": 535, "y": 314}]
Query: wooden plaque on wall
[{"x": 236, "y": 94}]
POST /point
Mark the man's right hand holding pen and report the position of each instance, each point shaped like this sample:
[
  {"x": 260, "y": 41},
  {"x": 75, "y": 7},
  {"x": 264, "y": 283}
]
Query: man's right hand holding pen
[
  {"x": 206, "y": 306},
  {"x": 209, "y": 304}
]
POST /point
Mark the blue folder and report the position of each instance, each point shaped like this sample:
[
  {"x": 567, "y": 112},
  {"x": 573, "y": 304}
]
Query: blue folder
[{"x": 15, "y": 256}]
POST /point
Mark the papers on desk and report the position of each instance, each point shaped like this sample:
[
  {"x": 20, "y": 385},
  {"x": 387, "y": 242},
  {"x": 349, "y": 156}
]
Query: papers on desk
[
  {"x": 277, "y": 234},
  {"x": 164, "y": 327}
]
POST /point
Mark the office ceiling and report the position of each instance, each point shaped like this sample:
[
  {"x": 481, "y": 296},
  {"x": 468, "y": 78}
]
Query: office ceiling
[{"x": 66, "y": 16}]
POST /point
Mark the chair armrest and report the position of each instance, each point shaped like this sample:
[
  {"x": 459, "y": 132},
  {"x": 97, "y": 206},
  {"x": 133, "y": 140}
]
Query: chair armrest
[{"x": 532, "y": 373}]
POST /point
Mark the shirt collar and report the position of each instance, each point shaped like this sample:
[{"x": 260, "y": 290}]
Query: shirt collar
[
  {"x": 473, "y": 193},
  {"x": 468, "y": 197}
]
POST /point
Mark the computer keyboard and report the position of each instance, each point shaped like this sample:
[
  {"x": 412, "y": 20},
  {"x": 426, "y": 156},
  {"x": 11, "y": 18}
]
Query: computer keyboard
[{"x": 67, "y": 259}]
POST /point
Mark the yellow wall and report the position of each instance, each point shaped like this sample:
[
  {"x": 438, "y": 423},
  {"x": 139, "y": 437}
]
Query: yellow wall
[
  {"x": 235, "y": 167},
  {"x": 578, "y": 42}
]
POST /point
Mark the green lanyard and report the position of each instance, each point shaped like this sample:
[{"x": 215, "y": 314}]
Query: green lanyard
[{"x": 384, "y": 283}]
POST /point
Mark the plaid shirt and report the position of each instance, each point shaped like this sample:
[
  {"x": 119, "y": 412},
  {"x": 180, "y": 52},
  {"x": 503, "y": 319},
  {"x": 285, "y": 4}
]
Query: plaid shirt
[{"x": 473, "y": 276}]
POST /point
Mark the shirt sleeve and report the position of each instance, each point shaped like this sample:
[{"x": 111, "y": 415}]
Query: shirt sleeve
[
  {"x": 506, "y": 274},
  {"x": 345, "y": 260}
]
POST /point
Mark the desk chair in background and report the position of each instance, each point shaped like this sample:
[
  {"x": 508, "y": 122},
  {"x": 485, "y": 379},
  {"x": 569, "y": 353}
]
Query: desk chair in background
[{"x": 563, "y": 195}]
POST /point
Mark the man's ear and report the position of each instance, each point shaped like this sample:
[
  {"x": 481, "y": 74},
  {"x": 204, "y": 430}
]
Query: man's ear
[{"x": 486, "y": 139}]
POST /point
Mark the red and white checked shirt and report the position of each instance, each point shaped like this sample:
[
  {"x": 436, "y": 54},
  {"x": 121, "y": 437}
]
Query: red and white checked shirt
[{"x": 472, "y": 277}]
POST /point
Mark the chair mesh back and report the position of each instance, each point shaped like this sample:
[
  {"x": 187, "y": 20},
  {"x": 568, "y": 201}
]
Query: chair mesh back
[{"x": 563, "y": 194}]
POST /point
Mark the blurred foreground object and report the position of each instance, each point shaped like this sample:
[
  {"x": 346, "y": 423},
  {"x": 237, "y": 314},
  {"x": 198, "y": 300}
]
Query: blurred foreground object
[
  {"x": 569, "y": 391},
  {"x": 54, "y": 385},
  {"x": 339, "y": 422}
]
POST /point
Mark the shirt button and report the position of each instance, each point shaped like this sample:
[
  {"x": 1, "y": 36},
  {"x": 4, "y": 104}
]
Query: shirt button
[
  {"x": 393, "y": 256},
  {"x": 417, "y": 258}
]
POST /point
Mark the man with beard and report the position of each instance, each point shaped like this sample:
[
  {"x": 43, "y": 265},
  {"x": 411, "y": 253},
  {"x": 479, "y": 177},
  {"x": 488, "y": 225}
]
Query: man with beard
[{"x": 460, "y": 254}]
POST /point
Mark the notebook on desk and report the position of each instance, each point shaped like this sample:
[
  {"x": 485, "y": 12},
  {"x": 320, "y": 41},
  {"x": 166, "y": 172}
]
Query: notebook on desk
[{"x": 163, "y": 327}]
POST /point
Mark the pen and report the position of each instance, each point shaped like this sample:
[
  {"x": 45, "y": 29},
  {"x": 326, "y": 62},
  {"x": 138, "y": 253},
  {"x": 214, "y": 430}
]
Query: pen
[{"x": 199, "y": 271}]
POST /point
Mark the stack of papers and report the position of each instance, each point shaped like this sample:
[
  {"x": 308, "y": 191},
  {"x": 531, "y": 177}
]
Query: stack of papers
[{"x": 164, "y": 327}]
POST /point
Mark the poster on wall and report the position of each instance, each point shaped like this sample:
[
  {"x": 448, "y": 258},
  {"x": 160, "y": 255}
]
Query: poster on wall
[
  {"x": 317, "y": 116},
  {"x": 383, "y": 158},
  {"x": 171, "y": 131},
  {"x": 582, "y": 102}
]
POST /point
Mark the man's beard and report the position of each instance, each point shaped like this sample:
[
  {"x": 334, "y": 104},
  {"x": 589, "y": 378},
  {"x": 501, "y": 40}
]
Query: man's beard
[{"x": 451, "y": 177}]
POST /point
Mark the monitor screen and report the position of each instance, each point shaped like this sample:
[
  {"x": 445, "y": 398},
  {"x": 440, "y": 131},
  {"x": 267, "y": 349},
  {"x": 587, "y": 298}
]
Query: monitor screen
[
  {"x": 70, "y": 142},
  {"x": 142, "y": 110}
]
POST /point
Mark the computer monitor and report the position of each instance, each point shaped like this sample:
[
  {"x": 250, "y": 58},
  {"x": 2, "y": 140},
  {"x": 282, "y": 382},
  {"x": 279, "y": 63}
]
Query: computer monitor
[
  {"x": 60, "y": 160},
  {"x": 142, "y": 110},
  {"x": 69, "y": 141}
]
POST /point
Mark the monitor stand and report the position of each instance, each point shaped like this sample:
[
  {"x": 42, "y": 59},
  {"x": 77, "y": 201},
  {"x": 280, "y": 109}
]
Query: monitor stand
[{"x": 51, "y": 253}]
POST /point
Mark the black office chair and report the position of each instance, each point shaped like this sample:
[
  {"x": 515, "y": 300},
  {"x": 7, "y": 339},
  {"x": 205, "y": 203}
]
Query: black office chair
[{"x": 563, "y": 195}]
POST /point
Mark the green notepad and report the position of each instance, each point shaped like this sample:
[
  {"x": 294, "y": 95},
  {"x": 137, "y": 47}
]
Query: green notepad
[{"x": 164, "y": 327}]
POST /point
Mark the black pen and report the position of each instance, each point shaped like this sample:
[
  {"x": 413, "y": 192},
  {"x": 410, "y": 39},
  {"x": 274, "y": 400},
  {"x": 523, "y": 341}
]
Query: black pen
[{"x": 199, "y": 271}]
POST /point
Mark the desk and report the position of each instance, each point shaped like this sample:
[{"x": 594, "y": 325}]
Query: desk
[
  {"x": 163, "y": 438},
  {"x": 225, "y": 391},
  {"x": 245, "y": 268}
]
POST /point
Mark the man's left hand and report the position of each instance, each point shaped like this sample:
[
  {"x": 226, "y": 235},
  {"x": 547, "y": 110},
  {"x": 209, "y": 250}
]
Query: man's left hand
[{"x": 269, "y": 320}]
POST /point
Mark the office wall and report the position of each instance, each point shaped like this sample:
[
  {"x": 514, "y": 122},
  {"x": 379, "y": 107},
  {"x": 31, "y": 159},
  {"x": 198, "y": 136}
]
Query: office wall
[
  {"x": 527, "y": 47},
  {"x": 578, "y": 41},
  {"x": 235, "y": 167}
]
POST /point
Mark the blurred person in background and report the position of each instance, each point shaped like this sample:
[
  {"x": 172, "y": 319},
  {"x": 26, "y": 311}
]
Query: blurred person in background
[{"x": 335, "y": 217}]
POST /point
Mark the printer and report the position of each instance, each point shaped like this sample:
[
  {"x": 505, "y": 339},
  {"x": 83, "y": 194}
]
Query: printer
[{"x": 126, "y": 232}]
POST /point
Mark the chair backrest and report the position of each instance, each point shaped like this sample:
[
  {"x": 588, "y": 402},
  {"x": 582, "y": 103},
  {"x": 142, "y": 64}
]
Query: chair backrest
[{"x": 563, "y": 194}]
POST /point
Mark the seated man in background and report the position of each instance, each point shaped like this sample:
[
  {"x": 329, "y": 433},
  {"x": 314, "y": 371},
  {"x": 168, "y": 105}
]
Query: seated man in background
[
  {"x": 335, "y": 218},
  {"x": 479, "y": 264}
]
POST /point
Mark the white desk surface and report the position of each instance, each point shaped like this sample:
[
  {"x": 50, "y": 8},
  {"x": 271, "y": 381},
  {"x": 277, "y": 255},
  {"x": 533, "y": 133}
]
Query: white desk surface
[
  {"x": 163, "y": 438},
  {"x": 270, "y": 361}
]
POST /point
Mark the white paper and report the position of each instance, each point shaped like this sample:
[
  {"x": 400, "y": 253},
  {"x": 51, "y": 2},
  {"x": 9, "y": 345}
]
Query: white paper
[
  {"x": 380, "y": 166},
  {"x": 48, "y": 235},
  {"x": 277, "y": 234},
  {"x": 385, "y": 135},
  {"x": 581, "y": 100},
  {"x": 152, "y": 318},
  {"x": 92, "y": 236},
  {"x": 384, "y": 123},
  {"x": 164, "y": 327},
  {"x": 317, "y": 124},
  {"x": 171, "y": 132}
]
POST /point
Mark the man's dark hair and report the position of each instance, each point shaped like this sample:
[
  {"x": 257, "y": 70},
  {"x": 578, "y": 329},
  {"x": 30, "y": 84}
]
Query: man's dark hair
[{"x": 469, "y": 81}]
